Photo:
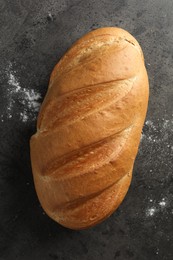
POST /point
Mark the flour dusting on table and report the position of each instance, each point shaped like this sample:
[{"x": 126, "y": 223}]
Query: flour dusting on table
[
  {"x": 150, "y": 212},
  {"x": 162, "y": 126},
  {"x": 26, "y": 99},
  {"x": 156, "y": 142},
  {"x": 156, "y": 207}
]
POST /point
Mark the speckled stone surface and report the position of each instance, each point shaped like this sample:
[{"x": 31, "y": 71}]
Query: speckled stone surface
[{"x": 34, "y": 35}]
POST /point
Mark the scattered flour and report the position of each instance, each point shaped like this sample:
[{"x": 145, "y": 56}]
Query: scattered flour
[
  {"x": 150, "y": 124},
  {"x": 155, "y": 207},
  {"x": 2, "y": 118},
  {"x": 157, "y": 252},
  {"x": 162, "y": 203},
  {"x": 166, "y": 123},
  {"x": 13, "y": 81},
  {"x": 150, "y": 212},
  {"x": 26, "y": 99},
  {"x": 157, "y": 133}
]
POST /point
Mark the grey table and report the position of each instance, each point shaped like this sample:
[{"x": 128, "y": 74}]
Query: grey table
[{"x": 33, "y": 36}]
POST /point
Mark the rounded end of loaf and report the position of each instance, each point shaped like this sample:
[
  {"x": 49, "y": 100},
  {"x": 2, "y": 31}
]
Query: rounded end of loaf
[
  {"x": 86, "y": 214},
  {"x": 120, "y": 36}
]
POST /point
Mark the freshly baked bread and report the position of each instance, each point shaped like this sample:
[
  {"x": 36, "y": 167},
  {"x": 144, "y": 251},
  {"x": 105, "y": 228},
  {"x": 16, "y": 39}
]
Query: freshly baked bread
[{"x": 89, "y": 128}]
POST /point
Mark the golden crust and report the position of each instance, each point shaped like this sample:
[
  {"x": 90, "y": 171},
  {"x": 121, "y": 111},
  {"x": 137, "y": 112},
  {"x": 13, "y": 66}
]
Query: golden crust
[{"x": 89, "y": 128}]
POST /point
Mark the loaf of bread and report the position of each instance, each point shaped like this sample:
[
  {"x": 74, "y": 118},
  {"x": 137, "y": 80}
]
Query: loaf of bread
[{"x": 89, "y": 128}]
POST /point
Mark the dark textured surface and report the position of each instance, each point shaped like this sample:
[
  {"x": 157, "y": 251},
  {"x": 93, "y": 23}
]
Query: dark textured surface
[{"x": 34, "y": 35}]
